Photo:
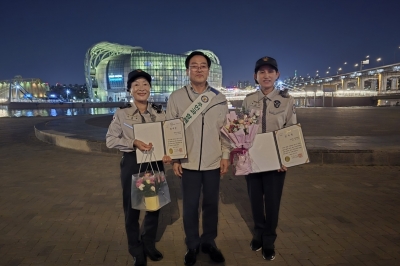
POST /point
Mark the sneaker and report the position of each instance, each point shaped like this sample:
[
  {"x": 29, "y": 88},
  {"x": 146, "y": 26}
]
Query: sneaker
[
  {"x": 214, "y": 252},
  {"x": 255, "y": 245},
  {"x": 268, "y": 254},
  {"x": 190, "y": 256}
]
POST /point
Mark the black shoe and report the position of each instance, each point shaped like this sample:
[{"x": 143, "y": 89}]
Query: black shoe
[
  {"x": 255, "y": 245},
  {"x": 140, "y": 260},
  {"x": 268, "y": 254},
  {"x": 214, "y": 252},
  {"x": 190, "y": 256},
  {"x": 151, "y": 251}
]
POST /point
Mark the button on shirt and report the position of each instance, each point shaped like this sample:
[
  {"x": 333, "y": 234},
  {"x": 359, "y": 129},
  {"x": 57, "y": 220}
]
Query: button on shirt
[{"x": 280, "y": 111}]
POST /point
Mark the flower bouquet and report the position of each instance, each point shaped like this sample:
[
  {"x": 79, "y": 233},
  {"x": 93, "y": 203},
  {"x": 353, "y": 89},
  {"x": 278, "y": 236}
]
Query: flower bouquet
[
  {"x": 241, "y": 130},
  {"x": 149, "y": 190}
]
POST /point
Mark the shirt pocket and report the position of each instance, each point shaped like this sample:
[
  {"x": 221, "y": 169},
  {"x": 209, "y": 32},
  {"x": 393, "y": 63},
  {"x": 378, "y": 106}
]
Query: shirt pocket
[{"x": 276, "y": 111}]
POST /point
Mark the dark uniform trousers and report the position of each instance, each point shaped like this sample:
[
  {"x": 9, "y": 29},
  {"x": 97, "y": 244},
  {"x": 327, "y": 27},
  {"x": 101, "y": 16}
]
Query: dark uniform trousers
[
  {"x": 193, "y": 183},
  {"x": 265, "y": 187},
  {"x": 129, "y": 166}
]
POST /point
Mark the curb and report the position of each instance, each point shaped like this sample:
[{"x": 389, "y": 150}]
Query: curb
[{"x": 317, "y": 156}]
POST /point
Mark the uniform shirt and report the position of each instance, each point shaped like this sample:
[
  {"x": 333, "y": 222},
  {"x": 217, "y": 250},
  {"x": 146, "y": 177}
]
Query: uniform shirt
[
  {"x": 120, "y": 135},
  {"x": 206, "y": 145},
  {"x": 280, "y": 112}
]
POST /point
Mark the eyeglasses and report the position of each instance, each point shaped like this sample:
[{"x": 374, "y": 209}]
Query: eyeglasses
[{"x": 198, "y": 68}]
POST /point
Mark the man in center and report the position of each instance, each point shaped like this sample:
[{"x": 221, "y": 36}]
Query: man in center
[{"x": 204, "y": 111}]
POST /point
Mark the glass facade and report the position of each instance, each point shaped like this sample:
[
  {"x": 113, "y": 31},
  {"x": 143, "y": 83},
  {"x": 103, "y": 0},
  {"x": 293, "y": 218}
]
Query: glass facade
[
  {"x": 108, "y": 76},
  {"x": 168, "y": 71}
]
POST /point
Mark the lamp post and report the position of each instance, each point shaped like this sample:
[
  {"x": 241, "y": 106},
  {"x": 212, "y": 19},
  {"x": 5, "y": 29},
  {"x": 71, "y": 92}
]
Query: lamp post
[
  {"x": 68, "y": 91},
  {"x": 340, "y": 69},
  {"x": 379, "y": 59}
]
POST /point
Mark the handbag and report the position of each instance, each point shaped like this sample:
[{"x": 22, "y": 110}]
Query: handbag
[{"x": 149, "y": 189}]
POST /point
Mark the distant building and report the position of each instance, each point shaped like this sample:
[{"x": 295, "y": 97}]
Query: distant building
[
  {"x": 107, "y": 66},
  {"x": 20, "y": 88},
  {"x": 243, "y": 84}
]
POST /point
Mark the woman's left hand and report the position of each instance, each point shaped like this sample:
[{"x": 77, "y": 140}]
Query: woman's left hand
[{"x": 283, "y": 169}]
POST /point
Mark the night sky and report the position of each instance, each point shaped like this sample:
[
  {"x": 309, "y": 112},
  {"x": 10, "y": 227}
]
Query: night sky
[{"x": 48, "y": 39}]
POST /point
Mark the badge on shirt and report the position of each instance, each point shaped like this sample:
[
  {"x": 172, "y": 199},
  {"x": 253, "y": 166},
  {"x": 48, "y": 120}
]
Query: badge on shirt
[
  {"x": 204, "y": 99},
  {"x": 277, "y": 103}
]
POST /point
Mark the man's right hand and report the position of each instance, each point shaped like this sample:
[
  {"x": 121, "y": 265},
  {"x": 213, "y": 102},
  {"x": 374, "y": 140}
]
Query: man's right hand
[
  {"x": 142, "y": 146},
  {"x": 177, "y": 167}
]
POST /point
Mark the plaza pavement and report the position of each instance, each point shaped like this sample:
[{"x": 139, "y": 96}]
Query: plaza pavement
[{"x": 62, "y": 206}]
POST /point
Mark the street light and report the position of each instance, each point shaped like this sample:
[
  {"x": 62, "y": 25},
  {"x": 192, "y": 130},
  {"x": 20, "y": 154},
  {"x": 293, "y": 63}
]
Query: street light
[
  {"x": 340, "y": 69},
  {"x": 68, "y": 91},
  {"x": 379, "y": 59}
]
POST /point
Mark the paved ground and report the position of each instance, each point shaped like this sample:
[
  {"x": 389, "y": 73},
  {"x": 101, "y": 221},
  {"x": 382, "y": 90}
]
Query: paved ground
[{"x": 63, "y": 207}]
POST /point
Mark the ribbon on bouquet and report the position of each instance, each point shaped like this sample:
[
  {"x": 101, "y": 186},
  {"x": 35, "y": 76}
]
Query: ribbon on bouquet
[{"x": 237, "y": 151}]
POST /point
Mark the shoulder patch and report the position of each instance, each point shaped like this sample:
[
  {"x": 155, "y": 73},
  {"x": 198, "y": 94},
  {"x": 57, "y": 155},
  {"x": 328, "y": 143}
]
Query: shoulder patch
[
  {"x": 284, "y": 93},
  {"x": 214, "y": 90},
  {"x": 156, "y": 107},
  {"x": 126, "y": 106}
]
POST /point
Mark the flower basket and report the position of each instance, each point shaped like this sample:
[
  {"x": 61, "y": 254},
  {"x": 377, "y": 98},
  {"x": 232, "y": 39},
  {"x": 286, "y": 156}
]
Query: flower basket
[{"x": 149, "y": 189}]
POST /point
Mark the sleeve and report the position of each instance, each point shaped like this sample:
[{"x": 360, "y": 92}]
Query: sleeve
[
  {"x": 172, "y": 108},
  {"x": 225, "y": 142},
  {"x": 291, "y": 118},
  {"x": 115, "y": 137}
]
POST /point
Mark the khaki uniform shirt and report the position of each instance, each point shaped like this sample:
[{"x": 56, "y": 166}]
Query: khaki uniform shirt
[
  {"x": 120, "y": 134},
  {"x": 206, "y": 145},
  {"x": 280, "y": 112}
]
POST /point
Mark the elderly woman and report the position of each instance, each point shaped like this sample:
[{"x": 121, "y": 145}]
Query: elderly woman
[{"x": 120, "y": 135}]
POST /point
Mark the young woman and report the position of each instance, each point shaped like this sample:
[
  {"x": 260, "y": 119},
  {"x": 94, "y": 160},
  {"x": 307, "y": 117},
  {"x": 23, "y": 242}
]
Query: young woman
[
  {"x": 278, "y": 111},
  {"x": 120, "y": 135}
]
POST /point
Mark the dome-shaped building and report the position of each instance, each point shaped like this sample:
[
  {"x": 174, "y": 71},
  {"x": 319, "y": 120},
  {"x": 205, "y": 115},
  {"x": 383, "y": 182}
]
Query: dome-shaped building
[{"x": 107, "y": 66}]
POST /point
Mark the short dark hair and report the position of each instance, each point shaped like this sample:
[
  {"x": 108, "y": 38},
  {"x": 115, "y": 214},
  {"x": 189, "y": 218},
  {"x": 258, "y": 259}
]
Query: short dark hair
[{"x": 194, "y": 54}]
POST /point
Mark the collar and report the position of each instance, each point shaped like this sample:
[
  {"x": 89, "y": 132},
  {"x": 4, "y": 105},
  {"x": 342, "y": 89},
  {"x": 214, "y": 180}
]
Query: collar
[
  {"x": 135, "y": 110},
  {"x": 269, "y": 96},
  {"x": 193, "y": 91}
]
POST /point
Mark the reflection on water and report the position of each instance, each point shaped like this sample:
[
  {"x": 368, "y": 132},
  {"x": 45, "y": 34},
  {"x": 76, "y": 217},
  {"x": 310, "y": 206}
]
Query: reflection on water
[{"x": 5, "y": 112}]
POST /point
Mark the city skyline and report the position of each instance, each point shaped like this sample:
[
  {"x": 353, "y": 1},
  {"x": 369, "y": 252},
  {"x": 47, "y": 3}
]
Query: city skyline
[{"x": 49, "y": 40}]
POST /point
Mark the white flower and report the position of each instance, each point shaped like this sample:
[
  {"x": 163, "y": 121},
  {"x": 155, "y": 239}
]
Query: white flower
[
  {"x": 257, "y": 113},
  {"x": 153, "y": 188},
  {"x": 141, "y": 187}
]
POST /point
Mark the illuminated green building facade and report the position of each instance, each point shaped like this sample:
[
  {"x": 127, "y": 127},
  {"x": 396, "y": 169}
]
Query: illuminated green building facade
[{"x": 107, "y": 66}]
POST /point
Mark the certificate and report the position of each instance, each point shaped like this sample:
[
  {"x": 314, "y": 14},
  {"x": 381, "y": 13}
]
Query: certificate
[
  {"x": 174, "y": 139},
  {"x": 167, "y": 137},
  {"x": 282, "y": 147},
  {"x": 291, "y": 146}
]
